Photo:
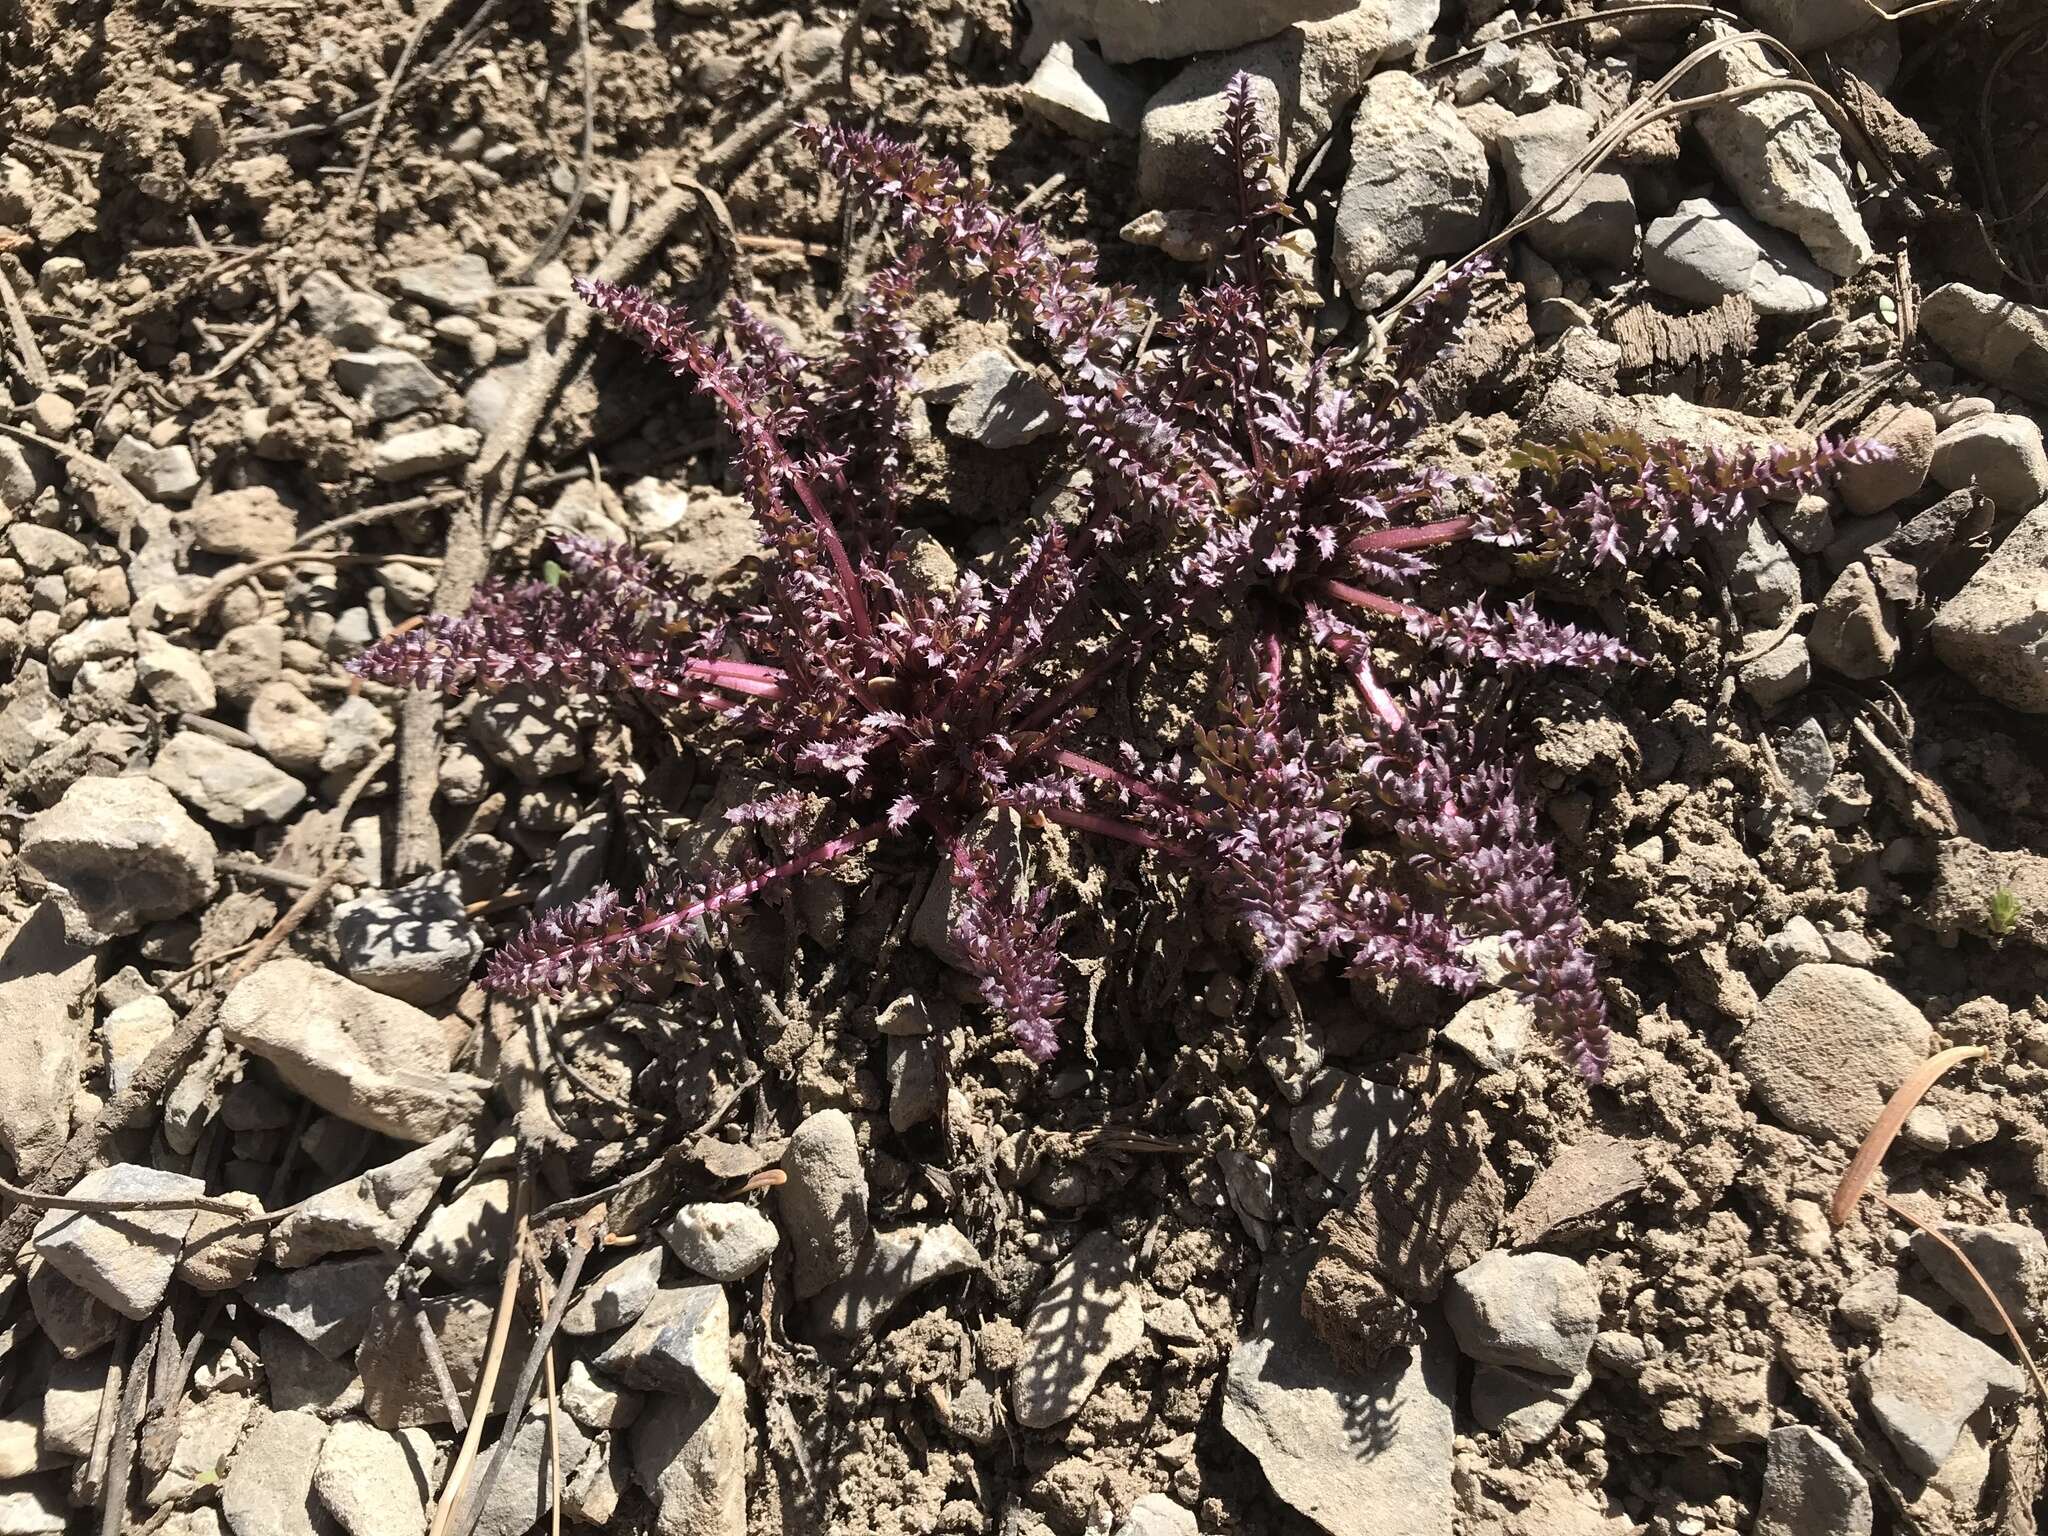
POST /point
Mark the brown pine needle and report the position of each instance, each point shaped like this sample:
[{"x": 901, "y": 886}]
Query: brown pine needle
[{"x": 1864, "y": 1167}]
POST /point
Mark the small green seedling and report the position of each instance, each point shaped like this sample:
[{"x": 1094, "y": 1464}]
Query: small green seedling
[{"x": 2002, "y": 915}]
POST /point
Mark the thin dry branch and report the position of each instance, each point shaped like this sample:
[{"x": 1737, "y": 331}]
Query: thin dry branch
[
  {"x": 454, "y": 1491},
  {"x": 32, "y": 364}
]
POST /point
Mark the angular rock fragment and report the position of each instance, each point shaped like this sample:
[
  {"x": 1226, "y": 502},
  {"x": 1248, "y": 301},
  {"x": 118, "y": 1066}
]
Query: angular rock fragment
[
  {"x": 1533, "y": 1311},
  {"x": 617, "y": 1297},
  {"x": 370, "y": 1059},
  {"x": 1596, "y": 223},
  {"x": 890, "y": 1269},
  {"x": 680, "y": 1343},
  {"x": 46, "y": 989},
  {"x": 1811, "y": 1488},
  {"x": 126, "y": 1259},
  {"x": 269, "y": 1486},
  {"x": 1332, "y": 1442},
  {"x": 1075, "y": 91},
  {"x": 1927, "y": 1379},
  {"x": 1089, "y": 1316},
  {"x": 1780, "y": 154},
  {"x": 1994, "y": 632},
  {"x": 690, "y": 1455},
  {"x": 122, "y": 852},
  {"x": 1420, "y": 186},
  {"x": 229, "y": 786}
]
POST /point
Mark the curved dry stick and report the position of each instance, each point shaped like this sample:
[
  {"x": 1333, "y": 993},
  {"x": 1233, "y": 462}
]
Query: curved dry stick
[
  {"x": 198, "y": 606},
  {"x": 429, "y": 19},
  {"x": 1863, "y": 1168}
]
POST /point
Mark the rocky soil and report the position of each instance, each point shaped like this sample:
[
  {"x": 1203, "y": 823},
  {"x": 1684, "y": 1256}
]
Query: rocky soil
[{"x": 289, "y": 356}]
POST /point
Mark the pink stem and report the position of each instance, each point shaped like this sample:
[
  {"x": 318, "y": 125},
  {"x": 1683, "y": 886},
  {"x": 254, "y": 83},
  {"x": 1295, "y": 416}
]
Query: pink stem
[
  {"x": 1377, "y": 699},
  {"x": 1121, "y": 780},
  {"x": 1358, "y": 597},
  {"x": 1105, "y": 826},
  {"x": 769, "y": 687},
  {"x": 745, "y": 668},
  {"x": 1421, "y": 536},
  {"x": 829, "y": 532},
  {"x": 849, "y": 583}
]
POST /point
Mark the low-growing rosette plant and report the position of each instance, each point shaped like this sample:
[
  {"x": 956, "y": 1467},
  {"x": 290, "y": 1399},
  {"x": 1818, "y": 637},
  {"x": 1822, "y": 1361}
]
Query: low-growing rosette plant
[{"x": 1354, "y": 796}]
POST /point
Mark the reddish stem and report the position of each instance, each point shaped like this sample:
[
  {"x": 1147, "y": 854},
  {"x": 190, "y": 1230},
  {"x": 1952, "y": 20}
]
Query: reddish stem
[
  {"x": 1106, "y": 826},
  {"x": 1370, "y": 688},
  {"x": 1421, "y": 536},
  {"x": 1121, "y": 780},
  {"x": 738, "y": 682},
  {"x": 1372, "y": 602},
  {"x": 849, "y": 582}
]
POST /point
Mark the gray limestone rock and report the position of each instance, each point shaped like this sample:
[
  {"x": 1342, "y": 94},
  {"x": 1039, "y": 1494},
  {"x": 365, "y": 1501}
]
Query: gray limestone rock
[
  {"x": 1994, "y": 632},
  {"x": 125, "y": 1260},
  {"x": 46, "y": 991},
  {"x": 1927, "y": 1379},
  {"x": 1335, "y": 1444},
  {"x": 1533, "y": 1311},
  {"x": 1811, "y": 1488},
  {"x": 1704, "y": 253},
  {"x": 1827, "y": 1048},
  {"x": 372, "y": 1060},
  {"x": 122, "y": 852},
  {"x": 2000, "y": 340},
  {"x": 1781, "y": 155},
  {"x": 229, "y": 786}
]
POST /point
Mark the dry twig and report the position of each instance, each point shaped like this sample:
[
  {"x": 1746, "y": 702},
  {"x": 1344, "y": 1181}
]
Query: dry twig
[
  {"x": 32, "y": 364},
  {"x": 552, "y": 243},
  {"x": 454, "y": 1491},
  {"x": 1863, "y": 1168}
]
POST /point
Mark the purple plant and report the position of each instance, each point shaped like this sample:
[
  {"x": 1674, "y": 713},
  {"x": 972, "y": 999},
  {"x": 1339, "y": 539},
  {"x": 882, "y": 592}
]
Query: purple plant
[{"x": 1238, "y": 482}]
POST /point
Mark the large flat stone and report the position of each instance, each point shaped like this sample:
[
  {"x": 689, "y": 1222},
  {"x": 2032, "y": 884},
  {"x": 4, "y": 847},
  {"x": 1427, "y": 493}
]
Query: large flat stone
[
  {"x": 1354, "y": 1453},
  {"x": 370, "y": 1059}
]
